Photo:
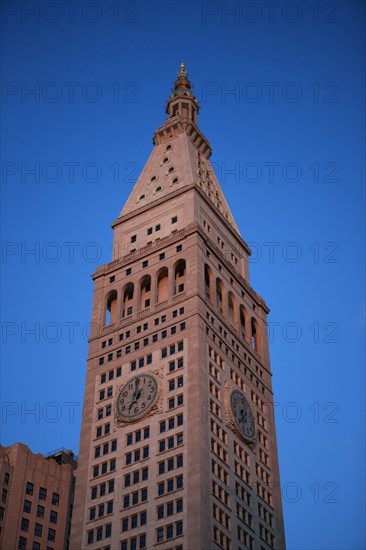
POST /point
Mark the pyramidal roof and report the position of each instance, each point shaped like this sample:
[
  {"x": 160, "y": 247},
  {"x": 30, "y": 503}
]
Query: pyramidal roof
[{"x": 180, "y": 156}]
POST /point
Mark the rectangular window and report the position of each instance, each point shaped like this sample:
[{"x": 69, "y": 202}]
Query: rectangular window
[
  {"x": 171, "y": 366},
  {"x": 110, "y": 392},
  {"x": 38, "y": 530},
  {"x": 103, "y": 378},
  {"x": 157, "y": 227},
  {"x": 27, "y": 506},
  {"x": 143, "y": 495},
  {"x": 110, "y": 356},
  {"x": 133, "y": 238},
  {"x": 51, "y": 534},
  {"x": 134, "y": 521},
  {"x": 149, "y": 230},
  {"x": 179, "y": 506},
  {"x": 40, "y": 511},
  {"x": 133, "y": 365},
  {"x": 171, "y": 403},
  {"x": 160, "y": 512},
  {"x": 119, "y": 370},
  {"x": 92, "y": 514},
  {"x": 180, "y": 363},
  {"x": 129, "y": 439},
  {"x": 141, "y": 362},
  {"x": 179, "y": 528},
  {"x": 173, "y": 330},
  {"x": 24, "y": 526},
  {"x": 179, "y": 248},
  {"x": 170, "y": 442},
  {"x": 180, "y": 346},
  {"x": 182, "y": 326},
  {"x": 125, "y": 525},
  {"x": 160, "y": 535},
  {"x": 162, "y": 426},
  {"x": 179, "y": 400},
  {"x": 170, "y": 485},
  {"x": 155, "y": 337},
  {"x": 181, "y": 311},
  {"x": 149, "y": 359},
  {"x": 137, "y": 346},
  {"x": 99, "y": 533},
  {"x": 114, "y": 446},
  {"x": 171, "y": 423},
  {"x": 174, "y": 219},
  {"x": 145, "y": 263},
  {"x": 162, "y": 256},
  {"x": 164, "y": 353},
  {"x": 172, "y": 349},
  {"x": 22, "y": 543},
  {"x": 164, "y": 334},
  {"x": 119, "y": 354},
  {"x": 179, "y": 420},
  {"x": 112, "y": 279},
  {"x": 146, "y": 341},
  {"x": 161, "y": 446},
  {"x": 145, "y": 452},
  {"x": 161, "y": 489},
  {"x": 101, "y": 360},
  {"x": 138, "y": 436},
  {"x": 108, "y": 530}
]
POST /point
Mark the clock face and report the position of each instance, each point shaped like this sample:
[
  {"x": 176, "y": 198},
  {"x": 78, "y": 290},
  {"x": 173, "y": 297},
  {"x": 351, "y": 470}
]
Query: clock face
[
  {"x": 242, "y": 414},
  {"x": 137, "y": 397}
]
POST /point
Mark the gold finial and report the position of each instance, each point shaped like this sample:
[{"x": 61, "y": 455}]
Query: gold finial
[{"x": 182, "y": 66}]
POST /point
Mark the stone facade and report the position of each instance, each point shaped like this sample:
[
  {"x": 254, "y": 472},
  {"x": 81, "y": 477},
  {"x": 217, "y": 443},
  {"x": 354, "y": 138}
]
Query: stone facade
[
  {"x": 36, "y": 499},
  {"x": 182, "y": 471}
]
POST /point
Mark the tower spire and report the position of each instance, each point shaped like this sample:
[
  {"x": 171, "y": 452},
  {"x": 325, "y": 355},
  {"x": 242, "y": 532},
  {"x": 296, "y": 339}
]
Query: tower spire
[{"x": 182, "y": 101}]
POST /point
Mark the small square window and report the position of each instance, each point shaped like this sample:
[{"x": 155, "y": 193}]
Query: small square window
[
  {"x": 171, "y": 403},
  {"x": 149, "y": 230},
  {"x": 163, "y": 318},
  {"x": 162, "y": 256},
  {"x": 118, "y": 371},
  {"x": 133, "y": 238},
  {"x": 104, "y": 344},
  {"x": 161, "y": 446},
  {"x": 175, "y": 313},
  {"x": 145, "y": 263},
  {"x": 164, "y": 353},
  {"x": 174, "y": 219},
  {"x": 101, "y": 360},
  {"x": 112, "y": 279},
  {"x": 157, "y": 227},
  {"x": 179, "y": 248},
  {"x": 129, "y": 271}
]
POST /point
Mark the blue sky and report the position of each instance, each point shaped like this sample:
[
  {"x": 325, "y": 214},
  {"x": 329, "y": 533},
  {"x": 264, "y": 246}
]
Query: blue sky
[{"x": 281, "y": 87}]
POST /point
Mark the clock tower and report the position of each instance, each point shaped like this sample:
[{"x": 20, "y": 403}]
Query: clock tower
[{"x": 178, "y": 443}]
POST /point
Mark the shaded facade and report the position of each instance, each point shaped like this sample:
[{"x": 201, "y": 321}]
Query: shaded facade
[
  {"x": 179, "y": 449},
  {"x": 36, "y": 499}
]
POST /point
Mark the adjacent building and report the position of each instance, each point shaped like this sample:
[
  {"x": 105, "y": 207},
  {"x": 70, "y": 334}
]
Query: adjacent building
[
  {"x": 178, "y": 444},
  {"x": 36, "y": 499}
]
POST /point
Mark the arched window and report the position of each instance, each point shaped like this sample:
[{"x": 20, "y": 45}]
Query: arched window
[
  {"x": 127, "y": 306},
  {"x": 231, "y": 302},
  {"x": 162, "y": 285},
  {"x": 243, "y": 320},
  {"x": 179, "y": 277},
  {"x": 111, "y": 308},
  {"x": 208, "y": 279},
  {"x": 255, "y": 335},
  {"x": 145, "y": 292},
  {"x": 219, "y": 295}
]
